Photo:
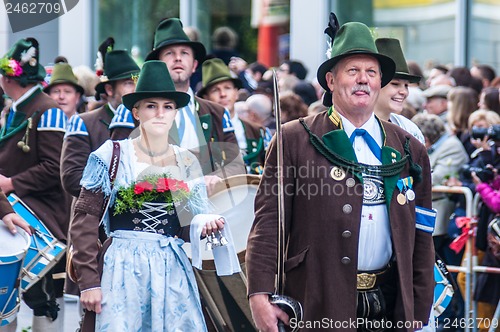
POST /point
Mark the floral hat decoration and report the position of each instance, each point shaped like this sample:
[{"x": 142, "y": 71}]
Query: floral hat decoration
[{"x": 22, "y": 62}]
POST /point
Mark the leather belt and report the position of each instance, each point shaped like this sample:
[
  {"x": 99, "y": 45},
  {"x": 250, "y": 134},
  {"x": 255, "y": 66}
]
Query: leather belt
[{"x": 371, "y": 279}]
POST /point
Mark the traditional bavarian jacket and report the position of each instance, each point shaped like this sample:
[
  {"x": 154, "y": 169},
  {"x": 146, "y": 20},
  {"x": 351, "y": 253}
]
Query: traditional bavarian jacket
[
  {"x": 40, "y": 124},
  {"x": 86, "y": 132},
  {"x": 323, "y": 203}
]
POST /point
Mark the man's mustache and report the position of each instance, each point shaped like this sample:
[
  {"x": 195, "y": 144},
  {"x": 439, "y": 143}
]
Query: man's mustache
[{"x": 361, "y": 87}]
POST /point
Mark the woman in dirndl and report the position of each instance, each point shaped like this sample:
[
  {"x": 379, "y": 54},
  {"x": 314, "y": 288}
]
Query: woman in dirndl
[{"x": 147, "y": 279}]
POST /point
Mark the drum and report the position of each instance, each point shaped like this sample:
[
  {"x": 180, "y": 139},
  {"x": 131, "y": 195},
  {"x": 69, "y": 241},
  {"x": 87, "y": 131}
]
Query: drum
[
  {"x": 13, "y": 248},
  {"x": 224, "y": 298},
  {"x": 44, "y": 251}
]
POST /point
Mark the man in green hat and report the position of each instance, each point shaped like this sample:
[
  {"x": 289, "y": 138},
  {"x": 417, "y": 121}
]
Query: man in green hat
[
  {"x": 219, "y": 86},
  {"x": 64, "y": 88},
  {"x": 392, "y": 97},
  {"x": 87, "y": 131},
  {"x": 357, "y": 207},
  {"x": 30, "y": 150},
  {"x": 202, "y": 126}
]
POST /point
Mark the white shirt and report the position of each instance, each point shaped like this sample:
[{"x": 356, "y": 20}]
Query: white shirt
[
  {"x": 375, "y": 244},
  {"x": 239, "y": 131},
  {"x": 190, "y": 138}
]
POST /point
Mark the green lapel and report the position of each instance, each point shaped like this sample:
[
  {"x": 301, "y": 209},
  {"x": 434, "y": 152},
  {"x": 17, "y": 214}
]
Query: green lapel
[
  {"x": 388, "y": 155},
  {"x": 254, "y": 148},
  {"x": 206, "y": 126}
]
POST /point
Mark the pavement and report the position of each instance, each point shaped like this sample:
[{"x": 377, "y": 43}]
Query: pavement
[{"x": 71, "y": 315}]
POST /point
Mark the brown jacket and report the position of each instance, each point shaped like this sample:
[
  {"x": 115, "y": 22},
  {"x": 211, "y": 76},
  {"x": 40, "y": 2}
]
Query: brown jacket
[
  {"x": 35, "y": 174},
  {"x": 86, "y": 132},
  {"x": 322, "y": 226}
]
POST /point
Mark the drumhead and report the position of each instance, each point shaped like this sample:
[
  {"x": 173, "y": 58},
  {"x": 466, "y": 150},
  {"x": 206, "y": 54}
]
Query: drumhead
[
  {"x": 234, "y": 199},
  {"x": 13, "y": 245}
]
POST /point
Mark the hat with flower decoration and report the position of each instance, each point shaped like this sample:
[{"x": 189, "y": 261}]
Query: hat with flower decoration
[
  {"x": 22, "y": 62},
  {"x": 118, "y": 65}
]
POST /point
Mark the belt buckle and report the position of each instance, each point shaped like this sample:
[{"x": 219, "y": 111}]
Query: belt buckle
[{"x": 366, "y": 281}]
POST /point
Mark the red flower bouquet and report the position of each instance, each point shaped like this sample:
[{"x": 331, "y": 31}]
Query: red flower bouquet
[{"x": 160, "y": 188}]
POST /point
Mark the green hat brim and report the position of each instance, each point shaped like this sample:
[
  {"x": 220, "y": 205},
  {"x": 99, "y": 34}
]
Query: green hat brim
[
  {"x": 405, "y": 76},
  {"x": 99, "y": 88},
  {"x": 387, "y": 66},
  {"x": 57, "y": 82},
  {"x": 198, "y": 48},
  {"x": 236, "y": 81},
  {"x": 181, "y": 99}
]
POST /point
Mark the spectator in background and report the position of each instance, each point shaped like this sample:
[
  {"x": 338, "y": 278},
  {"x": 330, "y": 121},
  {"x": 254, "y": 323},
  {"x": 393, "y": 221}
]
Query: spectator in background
[
  {"x": 224, "y": 42},
  {"x": 436, "y": 100},
  {"x": 260, "y": 111},
  {"x": 88, "y": 79},
  {"x": 415, "y": 89},
  {"x": 435, "y": 72},
  {"x": 462, "y": 101},
  {"x": 489, "y": 99},
  {"x": 294, "y": 68},
  {"x": 292, "y": 107},
  {"x": 483, "y": 72},
  {"x": 496, "y": 82},
  {"x": 250, "y": 75},
  {"x": 316, "y": 108},
  {"x": 306, "y": 91}
]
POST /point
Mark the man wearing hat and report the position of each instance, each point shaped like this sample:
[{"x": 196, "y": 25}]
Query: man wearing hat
[
  {"x": 392, "y": 96},
  {"x": 437, "y": 100},
  {"x": 30, "y": 150},
  {"x": 357, "y": 207},
  {"x": 222, "y": 88},
  {"x": 64, "y": 88},
  {"x": 87, "y": 131},
  {"x": 202, "y": 126}
]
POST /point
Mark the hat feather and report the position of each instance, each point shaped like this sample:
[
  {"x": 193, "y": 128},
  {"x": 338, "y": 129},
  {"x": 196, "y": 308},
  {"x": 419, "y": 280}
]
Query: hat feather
[
  {"x": 331, "y": 30},
  {"x": 105, "y": 47}
]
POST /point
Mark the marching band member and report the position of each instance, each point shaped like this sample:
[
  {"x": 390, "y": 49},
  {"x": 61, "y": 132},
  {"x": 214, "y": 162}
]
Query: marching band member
[
  {"x": 31, "y": 142},
  {"x": 357, "y": 207},
  {"x": 147, "y": 282}
]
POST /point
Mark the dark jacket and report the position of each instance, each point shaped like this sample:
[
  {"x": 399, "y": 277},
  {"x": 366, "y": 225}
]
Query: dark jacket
[{"x": 322, "y": 226}]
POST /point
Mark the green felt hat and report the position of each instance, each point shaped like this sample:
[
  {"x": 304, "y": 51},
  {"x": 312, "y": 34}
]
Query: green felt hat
[
  {"x": 155, "y": 81},
  {"x": 118, "y": 65},
  {"x": 215, "y": 71},
  {"x": 62, "y": 73},
  {"x": 170, "y": 32},
  {"x": 22, "y": 62},
  {"x": 355, "y": 38},
  {"x": 392, "y": 48}
]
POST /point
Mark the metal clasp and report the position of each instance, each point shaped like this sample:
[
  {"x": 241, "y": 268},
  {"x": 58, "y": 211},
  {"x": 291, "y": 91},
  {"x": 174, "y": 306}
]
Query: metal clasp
[{"x": 366, "y": 281}]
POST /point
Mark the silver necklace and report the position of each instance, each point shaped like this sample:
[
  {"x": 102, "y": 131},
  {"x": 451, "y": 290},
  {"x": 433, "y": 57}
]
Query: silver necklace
[{"x": 151, "y": 153}]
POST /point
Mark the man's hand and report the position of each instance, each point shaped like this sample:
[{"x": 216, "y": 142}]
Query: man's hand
[
  {"x": 91, "y": 300},
  {"x": 211, "y": 181},
  {"x": 12, "y": 220},
  {"x": 266, "y": 315},
  {"x": 6, "y": 184}
]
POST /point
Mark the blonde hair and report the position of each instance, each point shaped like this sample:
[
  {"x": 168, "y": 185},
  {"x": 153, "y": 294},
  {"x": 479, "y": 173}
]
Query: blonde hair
[{"x": 490, "y": 117}]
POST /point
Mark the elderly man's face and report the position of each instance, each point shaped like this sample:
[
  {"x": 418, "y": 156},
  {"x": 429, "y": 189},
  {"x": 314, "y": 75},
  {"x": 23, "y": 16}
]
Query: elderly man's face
[{"x": 355, "y": 82}]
